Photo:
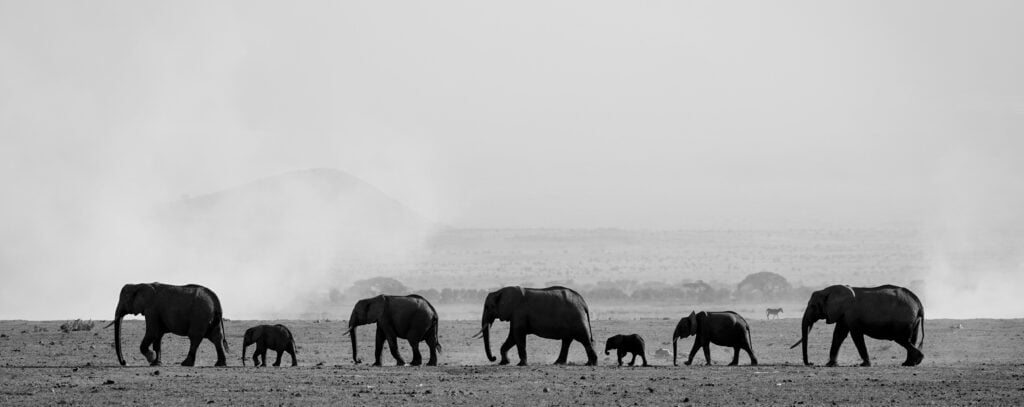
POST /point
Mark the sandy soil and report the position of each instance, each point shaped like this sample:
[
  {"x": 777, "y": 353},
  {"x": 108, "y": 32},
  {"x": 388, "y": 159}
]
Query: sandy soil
[{"x": 966, "y": 362}]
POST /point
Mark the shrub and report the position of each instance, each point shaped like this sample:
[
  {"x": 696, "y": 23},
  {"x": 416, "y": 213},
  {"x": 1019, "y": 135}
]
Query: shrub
[{"x": 77, "y": 325}]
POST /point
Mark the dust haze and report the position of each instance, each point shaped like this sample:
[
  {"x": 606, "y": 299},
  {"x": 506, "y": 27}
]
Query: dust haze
[{"x": 273, "y": 153}]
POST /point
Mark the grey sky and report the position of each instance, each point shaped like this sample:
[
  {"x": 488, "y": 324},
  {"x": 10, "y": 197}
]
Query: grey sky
[{"x": 532, "y": 114}]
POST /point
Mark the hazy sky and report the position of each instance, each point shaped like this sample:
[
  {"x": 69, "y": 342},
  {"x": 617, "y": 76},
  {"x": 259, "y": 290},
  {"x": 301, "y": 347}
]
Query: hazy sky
[
  {"x": 524, "y": 114},
  {"x": 654, "y": 114}
]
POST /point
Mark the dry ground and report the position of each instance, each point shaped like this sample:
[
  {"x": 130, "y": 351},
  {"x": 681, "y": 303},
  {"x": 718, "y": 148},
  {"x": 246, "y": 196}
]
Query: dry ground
[{"x": 966, "y": 362}]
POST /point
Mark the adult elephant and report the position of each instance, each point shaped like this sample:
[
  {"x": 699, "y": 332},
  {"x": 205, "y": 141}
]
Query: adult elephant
[
  {"x": 189, "y": 310},
  {"x": 409, "y": 317},
  {"x": 550, "y": 313},
  {"x": 887, "y": 312}
]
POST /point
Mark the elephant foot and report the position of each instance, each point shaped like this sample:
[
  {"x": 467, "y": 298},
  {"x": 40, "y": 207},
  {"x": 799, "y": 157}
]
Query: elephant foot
[
  {"x": 560, "y": 363},
  {"x": 734, "y": 363},
  {"x": 295, "y": 364},
  {"x": 400, "y": 362},
  {"x": 503, "y": 362},
  {"x": 593, "y": 363},
  {"x": 645, "y": 365},
  {"x": 432, "y": 363},
  {"x": 220, "y": 363},
  {"x": 150, "y": 356},
  {"x": 416, "y": 362},
  {"x": 687, "y": 363},
  {"x": 865, "y": 364},
  {"x": 376, "y": 364},
  {"x": 188, "y": 363},
  {"x": 155, "y": 363},
  {"x": 521, "y": 363},
  {"x": 753, "y": 362},
  {"x": 831, "y": 363},
  {"x": 277, "y": 364}
]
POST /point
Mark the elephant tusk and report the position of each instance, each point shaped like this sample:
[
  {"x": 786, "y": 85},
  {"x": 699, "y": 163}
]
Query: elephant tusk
[
  {"x": 478, "y": 334},
  {"x": 109, "y": 325},
  {"x": 797, "y": 343}
]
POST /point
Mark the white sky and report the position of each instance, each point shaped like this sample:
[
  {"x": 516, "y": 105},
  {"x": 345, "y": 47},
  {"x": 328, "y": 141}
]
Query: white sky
[{"x": 654, "y": 114}]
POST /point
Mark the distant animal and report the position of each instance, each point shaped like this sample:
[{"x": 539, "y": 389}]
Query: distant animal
[
  {"x": 886, "y": 312},
  {"x": 409, "y": 317},
  {"x": 772, "y": 312},
  {"x": 189, "y": 310},
  {"x": 274, "y": 337},
  {"x": 552, "y": 313},
  {"x": 625, "y": 344},
  {"x": 725, "y": 328}
]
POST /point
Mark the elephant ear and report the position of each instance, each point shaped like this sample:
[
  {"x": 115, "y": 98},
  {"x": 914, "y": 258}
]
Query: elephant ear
[
  {"x": 699, "y": 320},
  {"x": 142, "y": 297},
  {"x": 256, "y": 334},
  {"x": 693, "y": 322},
  {"x": 509, "y": 300},
  {"x": 837, "y": 299}
]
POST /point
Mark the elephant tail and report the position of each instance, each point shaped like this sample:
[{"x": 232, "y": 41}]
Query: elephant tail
[
  {"x": 224, "y": 336},
  {"x": 920, "y": 321},
  {"x": 589, "y": 325},
  {"x": 435, "y": 329}
]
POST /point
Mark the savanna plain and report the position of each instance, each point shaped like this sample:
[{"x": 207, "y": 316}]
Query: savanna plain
[{"x": 975, "y": 361}]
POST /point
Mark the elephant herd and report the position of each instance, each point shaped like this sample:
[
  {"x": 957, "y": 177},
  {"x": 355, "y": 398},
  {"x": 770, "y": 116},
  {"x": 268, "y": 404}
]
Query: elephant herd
[{"x": 886, "y": 312}]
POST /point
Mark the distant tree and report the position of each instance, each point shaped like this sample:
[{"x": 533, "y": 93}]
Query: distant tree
[
  {"x": 375, "y": 286},
  {"x": 763, "y": 286}
]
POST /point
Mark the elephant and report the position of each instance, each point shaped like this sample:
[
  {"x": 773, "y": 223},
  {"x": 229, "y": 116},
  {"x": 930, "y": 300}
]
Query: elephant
[
  {"x": 550, "y": 313},
  {"x": 769, "y": 312},
  {"x": 409, "y": 317},
  {"x": 724, "y": 328},
  {"x": 189, "y": 310},
  {"x": 274, "y": 337},
  {"x": 627, "y": 344},
  {"x": 886, "y": 312}
]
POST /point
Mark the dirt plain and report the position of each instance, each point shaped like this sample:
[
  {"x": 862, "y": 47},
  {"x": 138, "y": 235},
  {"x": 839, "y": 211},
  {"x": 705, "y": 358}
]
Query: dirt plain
[{"x": 966, "y": 362}]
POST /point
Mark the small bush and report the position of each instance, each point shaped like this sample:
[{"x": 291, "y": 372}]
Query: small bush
[{"x": 77, "y": 325}]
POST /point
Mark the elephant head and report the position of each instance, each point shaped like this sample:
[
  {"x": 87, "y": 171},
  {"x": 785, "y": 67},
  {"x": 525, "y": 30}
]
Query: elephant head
[
  {"x": 613, "y": 343},
  {"x": 687, "y": 326},
  {"x": 499, "y": 305},
  {"x": 251, "y": 336},
  {"x": 135, "y": 299},
  {"x": 366, "y": 311},
  {"x": 829, "y": 304}
]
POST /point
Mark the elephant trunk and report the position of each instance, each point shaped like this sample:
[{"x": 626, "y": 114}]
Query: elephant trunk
[
  {"x": 486, "y": 330},
  {"x": 355, "y": 345},
  {"x": 675, "y": 350},
  {"x": 805, "y": 329},
  {"x": 118, "y": 316}
]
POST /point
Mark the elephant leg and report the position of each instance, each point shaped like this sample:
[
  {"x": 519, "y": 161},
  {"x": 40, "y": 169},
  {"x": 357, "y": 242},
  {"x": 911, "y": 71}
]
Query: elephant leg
[
  {"x": 858, "y": 341},
  {"x": 218, "y": 344},
  {"x": 693, "y": 352},
  {"x": 393, "y": 346},
  {"x": 620, "y": 354},
  {"x": 278, "y": 361},
  {"x": 750, "y": 352},
  {"x": 707, "y": 352},
  {"x": 417, "y": 357},
  {"x": 260, "y": 352},
  {"x": 291, "y": 352},
  {"x": 838, "y": 336},
  {"x": 589, "y": 348},
  {"x": 643, "y": 357},
  {"x": 633, "y": 361},
  {"x": 193, "y": 345},
  {"x": 144, "y": 348},
  {"x": 914, "y": 355},
  {"x": 378, "y": 346},
  {"x": 520, "y": 341},
  {"x": 509, "y": 342},
  {"x": 156, "y": 348},
  {"x": 563, "y": 354},
  {"x": 735, "y": 356},
  {"x": 432, "y": 346}
]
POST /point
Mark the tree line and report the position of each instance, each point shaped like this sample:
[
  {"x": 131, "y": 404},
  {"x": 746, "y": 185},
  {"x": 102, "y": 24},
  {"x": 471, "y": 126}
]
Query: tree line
[{"x": 756, "y": 287}]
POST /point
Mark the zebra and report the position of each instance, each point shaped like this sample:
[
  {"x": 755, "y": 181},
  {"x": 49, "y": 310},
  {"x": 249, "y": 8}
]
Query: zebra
[{"x": 772, "y": 311}]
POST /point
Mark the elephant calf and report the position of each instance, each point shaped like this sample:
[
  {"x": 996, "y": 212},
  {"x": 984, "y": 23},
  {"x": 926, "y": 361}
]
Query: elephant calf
[
  {"x": 725, "y": 328},
  {"x": 627, "y": 344},
  {"x": 273, "y": 337}
]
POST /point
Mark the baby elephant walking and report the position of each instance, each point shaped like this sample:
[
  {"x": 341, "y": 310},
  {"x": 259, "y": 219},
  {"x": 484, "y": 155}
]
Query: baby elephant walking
[
  {"x": 273, "y": 337},
  {"x": 627, "y": 344},
  {"x": 725, "y": 328}
]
